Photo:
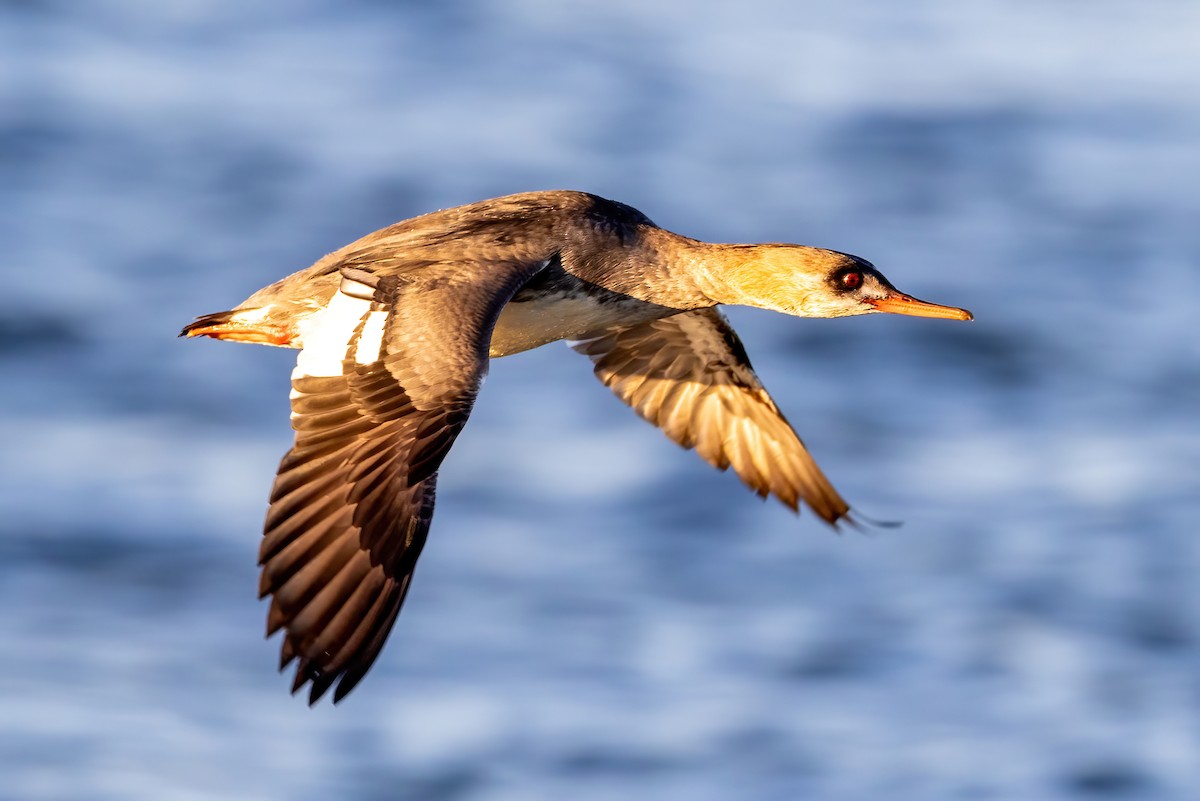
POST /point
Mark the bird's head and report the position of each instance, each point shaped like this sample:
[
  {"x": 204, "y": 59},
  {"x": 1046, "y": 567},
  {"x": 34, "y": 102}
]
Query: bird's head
[{"x": 814, "y": 282}]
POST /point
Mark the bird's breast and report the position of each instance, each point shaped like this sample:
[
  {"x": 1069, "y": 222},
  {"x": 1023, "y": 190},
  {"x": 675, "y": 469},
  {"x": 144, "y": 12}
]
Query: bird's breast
[{"x": 535, "y": 317}]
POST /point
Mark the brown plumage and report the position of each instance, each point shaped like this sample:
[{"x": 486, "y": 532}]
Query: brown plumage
[{"x": 396, "y": 331}]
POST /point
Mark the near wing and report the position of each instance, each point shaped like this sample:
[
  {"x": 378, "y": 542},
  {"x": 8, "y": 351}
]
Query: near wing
[
  {"x": 688, "y": 374},
  {"x": 384, "y": 384}
]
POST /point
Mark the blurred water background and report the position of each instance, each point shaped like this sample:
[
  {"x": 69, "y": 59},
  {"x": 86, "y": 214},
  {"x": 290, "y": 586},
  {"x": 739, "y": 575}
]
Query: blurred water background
[{"x": 599, "y": 614}]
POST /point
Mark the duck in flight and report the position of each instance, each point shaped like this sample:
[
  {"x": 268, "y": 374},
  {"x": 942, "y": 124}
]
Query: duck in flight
[{"x": 395, "y": 332}]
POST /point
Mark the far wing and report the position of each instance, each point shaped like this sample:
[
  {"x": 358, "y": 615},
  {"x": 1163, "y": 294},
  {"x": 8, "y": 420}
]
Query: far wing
[{"x": 688, "y": 374}]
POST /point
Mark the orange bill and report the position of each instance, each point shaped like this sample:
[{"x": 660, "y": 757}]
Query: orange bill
[{"x": 899, "y": 303}]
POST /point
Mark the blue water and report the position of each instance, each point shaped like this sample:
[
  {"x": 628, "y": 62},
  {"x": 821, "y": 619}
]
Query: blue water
[{"x": 599, "y": 614}]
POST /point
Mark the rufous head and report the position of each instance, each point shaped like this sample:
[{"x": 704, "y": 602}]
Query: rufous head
[{"x": 814, "y": 282}]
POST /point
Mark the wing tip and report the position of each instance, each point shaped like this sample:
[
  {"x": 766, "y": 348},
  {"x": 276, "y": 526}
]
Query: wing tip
[
  {"x": 863, "y": 524},
  {"x": 319, "y": 682}
]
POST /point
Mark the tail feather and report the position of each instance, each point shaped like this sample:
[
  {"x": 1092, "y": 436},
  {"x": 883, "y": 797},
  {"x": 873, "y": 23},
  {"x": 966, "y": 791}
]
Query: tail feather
[
  {"x": 240, "y": 325},
  {"x": 195, "y": 328}
]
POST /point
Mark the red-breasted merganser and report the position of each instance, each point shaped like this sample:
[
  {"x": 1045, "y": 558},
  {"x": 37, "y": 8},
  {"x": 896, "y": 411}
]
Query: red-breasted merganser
[{"x": 395, "y": 332}]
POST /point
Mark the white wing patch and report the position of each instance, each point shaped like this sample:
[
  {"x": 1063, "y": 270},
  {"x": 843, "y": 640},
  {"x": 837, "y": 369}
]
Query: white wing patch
[
  {"x": 370, "y": 343},
  {"x": 329, "y": 331}
]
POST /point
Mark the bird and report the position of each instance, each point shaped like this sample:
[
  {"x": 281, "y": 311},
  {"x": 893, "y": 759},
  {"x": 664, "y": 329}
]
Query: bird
[{"x": 396, "y": 331}]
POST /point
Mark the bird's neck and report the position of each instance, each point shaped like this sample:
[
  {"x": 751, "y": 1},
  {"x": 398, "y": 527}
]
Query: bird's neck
[
  {"x": 670, "y": 270},
  {"x": 778, "y": 277},
  {"x": 676, "y": 272}
]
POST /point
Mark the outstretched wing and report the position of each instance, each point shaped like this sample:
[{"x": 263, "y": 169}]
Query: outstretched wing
[
  {"x": 689, "y": 375},
  {"x": 385, "y": 382}
]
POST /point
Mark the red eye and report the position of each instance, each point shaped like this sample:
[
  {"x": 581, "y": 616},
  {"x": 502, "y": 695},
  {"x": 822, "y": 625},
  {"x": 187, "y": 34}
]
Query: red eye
[{"x": 852, "y": 279}]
